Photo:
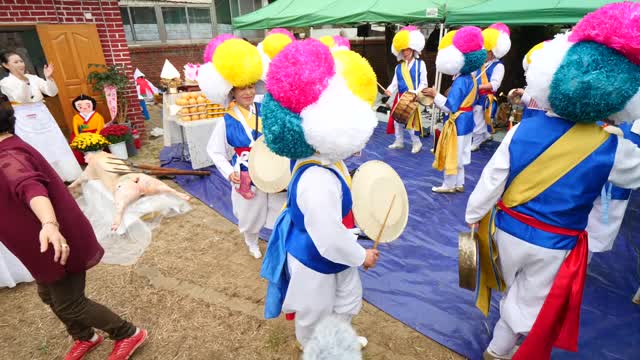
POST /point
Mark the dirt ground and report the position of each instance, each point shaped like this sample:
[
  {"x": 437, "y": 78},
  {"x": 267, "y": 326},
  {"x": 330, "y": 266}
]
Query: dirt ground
[{"x": 199, "y": 293}]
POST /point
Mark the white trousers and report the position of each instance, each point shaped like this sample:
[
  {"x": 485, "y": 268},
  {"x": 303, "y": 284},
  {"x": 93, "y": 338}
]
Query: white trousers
[
  {"x": 399, "y": 132},
  {"x": 529, "y": 272},
  {"x": 314, "y": 296},
  {"x": 480, "y": 132},
  {"x": 464, "y": 158},
  {"x": 253, "y": 215}
]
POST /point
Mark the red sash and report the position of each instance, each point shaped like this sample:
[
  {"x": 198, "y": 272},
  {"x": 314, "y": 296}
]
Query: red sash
[
  {"x": 486, "y": 92},
  {"x": 240, "y": 150},
  {"x": 390, "y": 126},
  {"x": 558, "y": 322}
]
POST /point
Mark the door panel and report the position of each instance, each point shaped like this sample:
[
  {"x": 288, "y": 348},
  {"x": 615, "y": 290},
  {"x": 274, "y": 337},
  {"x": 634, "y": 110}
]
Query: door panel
[{"x": 72, "y": 48}]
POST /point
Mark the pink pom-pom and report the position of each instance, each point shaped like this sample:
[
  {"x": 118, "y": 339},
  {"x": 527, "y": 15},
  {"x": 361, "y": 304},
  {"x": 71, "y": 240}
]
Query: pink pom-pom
[
  {"x": 409, "y": 28},
  {"x": 468, "y": 39},
  {"x": 501, "y": 27},
  {"x": 341, "y": 41},
  {"x": 213, "y": 44},
  {"x": 282, "y": 31},
  {"x": 300, "y": 73},
  {"x": 615, "y": 25}
]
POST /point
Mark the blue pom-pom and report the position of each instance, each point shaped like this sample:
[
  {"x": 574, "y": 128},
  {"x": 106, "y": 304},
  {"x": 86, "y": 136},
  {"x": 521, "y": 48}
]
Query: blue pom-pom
[
  {"x": 592, "y": 83},
  {"x": 473, "y": 61},
  {"x": 283, "y": 132}
]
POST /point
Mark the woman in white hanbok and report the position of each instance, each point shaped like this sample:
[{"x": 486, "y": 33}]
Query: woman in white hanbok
[{"x": 34, "y": 123}]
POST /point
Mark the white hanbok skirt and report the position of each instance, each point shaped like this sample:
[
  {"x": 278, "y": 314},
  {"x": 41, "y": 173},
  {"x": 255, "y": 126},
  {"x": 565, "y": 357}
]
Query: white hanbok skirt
[
  {"x": 12, "y": 271},
  {"x": 37, "y": 127}
]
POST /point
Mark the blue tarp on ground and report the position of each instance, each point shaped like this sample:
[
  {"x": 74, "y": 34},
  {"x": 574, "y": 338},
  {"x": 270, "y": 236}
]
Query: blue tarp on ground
[{"x": 416, "y": 279}]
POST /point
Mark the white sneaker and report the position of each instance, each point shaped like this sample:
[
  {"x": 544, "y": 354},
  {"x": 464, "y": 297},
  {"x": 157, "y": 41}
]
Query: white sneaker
[
  {"x": 255, "y": 252},
  {"x": 396, "y": 146},
  {"x": 416, "y": 148},
  {"x": 475, "y": 147},
  {"x": 443, "y": 190},
  {"x": 363, "y": 341}
]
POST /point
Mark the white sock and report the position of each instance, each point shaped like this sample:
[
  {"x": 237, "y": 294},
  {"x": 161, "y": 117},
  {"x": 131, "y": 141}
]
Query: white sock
[
  {"x": 94, "y": 338},
  {"x": 137, "y": 331},
  {"x": 504, "y": 339}
]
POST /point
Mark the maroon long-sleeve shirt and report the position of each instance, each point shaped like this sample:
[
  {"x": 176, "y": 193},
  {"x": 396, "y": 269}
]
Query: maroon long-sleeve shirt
[{"x": 25, "y": 174}]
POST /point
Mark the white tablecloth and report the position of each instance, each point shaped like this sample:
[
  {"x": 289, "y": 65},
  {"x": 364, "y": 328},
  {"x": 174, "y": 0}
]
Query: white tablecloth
[{"x": 196, "y": 136}]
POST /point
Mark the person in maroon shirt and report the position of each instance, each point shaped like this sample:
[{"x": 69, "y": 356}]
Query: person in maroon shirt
[{"x": 42, "y": 225}]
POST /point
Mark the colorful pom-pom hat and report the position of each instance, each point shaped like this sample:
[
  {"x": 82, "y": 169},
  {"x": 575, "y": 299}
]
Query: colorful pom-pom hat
[
  {"x": 531, "y": 54},
  {"x": 318, "y": 101},
  {"x": 336, "y": 42},
  {"x": 497, "y": 40},
  {"x": 461, "y": 51},
  {"x": 593, "y": 72},
  {"x": 409, "y": 37},
  {"x": 232, "y": 62}
]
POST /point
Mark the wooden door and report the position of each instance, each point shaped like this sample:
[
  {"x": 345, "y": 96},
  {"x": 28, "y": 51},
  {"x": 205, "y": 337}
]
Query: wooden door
[{"x": 72, "y": 48}]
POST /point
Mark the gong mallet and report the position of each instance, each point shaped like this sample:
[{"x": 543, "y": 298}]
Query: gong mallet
[{"x": 384, "y": 225}]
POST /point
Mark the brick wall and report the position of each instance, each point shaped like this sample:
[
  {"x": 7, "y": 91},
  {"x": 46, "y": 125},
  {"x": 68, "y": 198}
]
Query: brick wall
[
  {"x": 149, "y": 59},
  {"x": 106, "y": 16}
]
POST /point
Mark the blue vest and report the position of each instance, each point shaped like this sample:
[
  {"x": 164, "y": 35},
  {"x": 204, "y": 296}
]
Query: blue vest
[
  {"x": 569, "y": 200},
  {"x": 237, "y": 136},
  {"x": 460, "y": 88},
  {"x": 415, "y": 76},
  {"x": 618, "y": 193},
  {"x": 298, "y": 242}
]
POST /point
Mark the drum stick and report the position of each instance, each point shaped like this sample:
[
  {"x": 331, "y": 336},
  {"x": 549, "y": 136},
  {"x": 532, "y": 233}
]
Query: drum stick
[
  {"x": 381, "y": 87},
  {"x": 384, "y": 223}
]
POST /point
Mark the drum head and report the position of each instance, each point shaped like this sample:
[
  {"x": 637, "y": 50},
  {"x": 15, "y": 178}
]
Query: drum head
[{"x": 269, "y": 172}]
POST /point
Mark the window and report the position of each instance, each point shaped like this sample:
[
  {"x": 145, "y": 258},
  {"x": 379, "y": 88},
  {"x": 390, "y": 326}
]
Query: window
[
  {"x": 145, "y": 25},
  {"x": 235, "y": 8},
  {"x": 175, "y": 22},
  {"x": 223, "y": 11},
  {"x": 246, "y": 7},
  {"x": 128, "y": 30},
  {"x": 200, "y": 23}
]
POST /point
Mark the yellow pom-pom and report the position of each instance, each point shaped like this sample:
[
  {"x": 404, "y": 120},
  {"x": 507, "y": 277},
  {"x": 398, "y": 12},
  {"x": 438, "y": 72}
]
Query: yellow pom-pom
[
  {"x": 358, "y": 73},
  {"x": 238, "y": 62},
  {"x": 533, "y": 50},
  {"x": 328, "y": 40},
  {"x": 274, "y": 43},
  {"x": 447, "y": 40},
  {"x": 490, "y": 37},
  {"x": 401, "y": 40}
]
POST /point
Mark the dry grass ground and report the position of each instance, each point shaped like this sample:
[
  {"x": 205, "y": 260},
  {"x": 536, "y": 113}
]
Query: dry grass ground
[{"x": 199, "y": 293}]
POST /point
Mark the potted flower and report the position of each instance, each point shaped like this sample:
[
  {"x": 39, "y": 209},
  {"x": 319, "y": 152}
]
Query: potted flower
[
  {"x": 89, "y": 142},
  {"x": 117, "y": 135}
]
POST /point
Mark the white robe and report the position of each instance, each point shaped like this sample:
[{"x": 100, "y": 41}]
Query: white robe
[
  {"x": 464, "y": 149},
  {"x": 35, "y": 124},
  {"x": 313, "y": 295},
  {"x": 12, "y": 271},
  {"x": 253, "y": 215},
  {"x": 529, "y": 270}
]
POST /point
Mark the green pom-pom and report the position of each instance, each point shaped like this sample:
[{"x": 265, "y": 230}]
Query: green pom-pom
[
  {"x": 283, "y": 130},
  {"x": 592, "y": 83}
]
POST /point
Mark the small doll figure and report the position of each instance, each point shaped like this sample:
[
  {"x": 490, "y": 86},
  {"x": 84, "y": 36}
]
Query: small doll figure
[{"x": 86, "y": 120}]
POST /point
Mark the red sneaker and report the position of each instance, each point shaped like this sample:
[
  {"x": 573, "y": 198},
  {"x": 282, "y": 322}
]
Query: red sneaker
[
  {"x": 124, "y": 348},
  {"x": 82, "y": 348}
]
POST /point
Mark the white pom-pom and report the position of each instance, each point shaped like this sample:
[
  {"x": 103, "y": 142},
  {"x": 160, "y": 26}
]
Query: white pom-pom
[
  {"x": 450, "y": 60},
  {"x": 339, "y": 124},
  {"x": 213, "y": 85},
  {"x": 266, "y": 60},
  {"x": 544, "y": 64},
  {"x": 333, "y": 339},
  {"x": 503, "y": 46},
  {"x": 416, "y": 40}
]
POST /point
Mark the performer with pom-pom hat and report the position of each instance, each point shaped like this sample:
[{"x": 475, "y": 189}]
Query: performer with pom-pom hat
[
  {"x": 545, "y": 176},
  {"x": 497, "y": 43},
  {"x": 232, "y": 71},
  {"x": 409, "y": 75},
  {"x": 460, "y": 53},
  {"x": 317, "y": 112},
  {"x": 531, "y": 106}
]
